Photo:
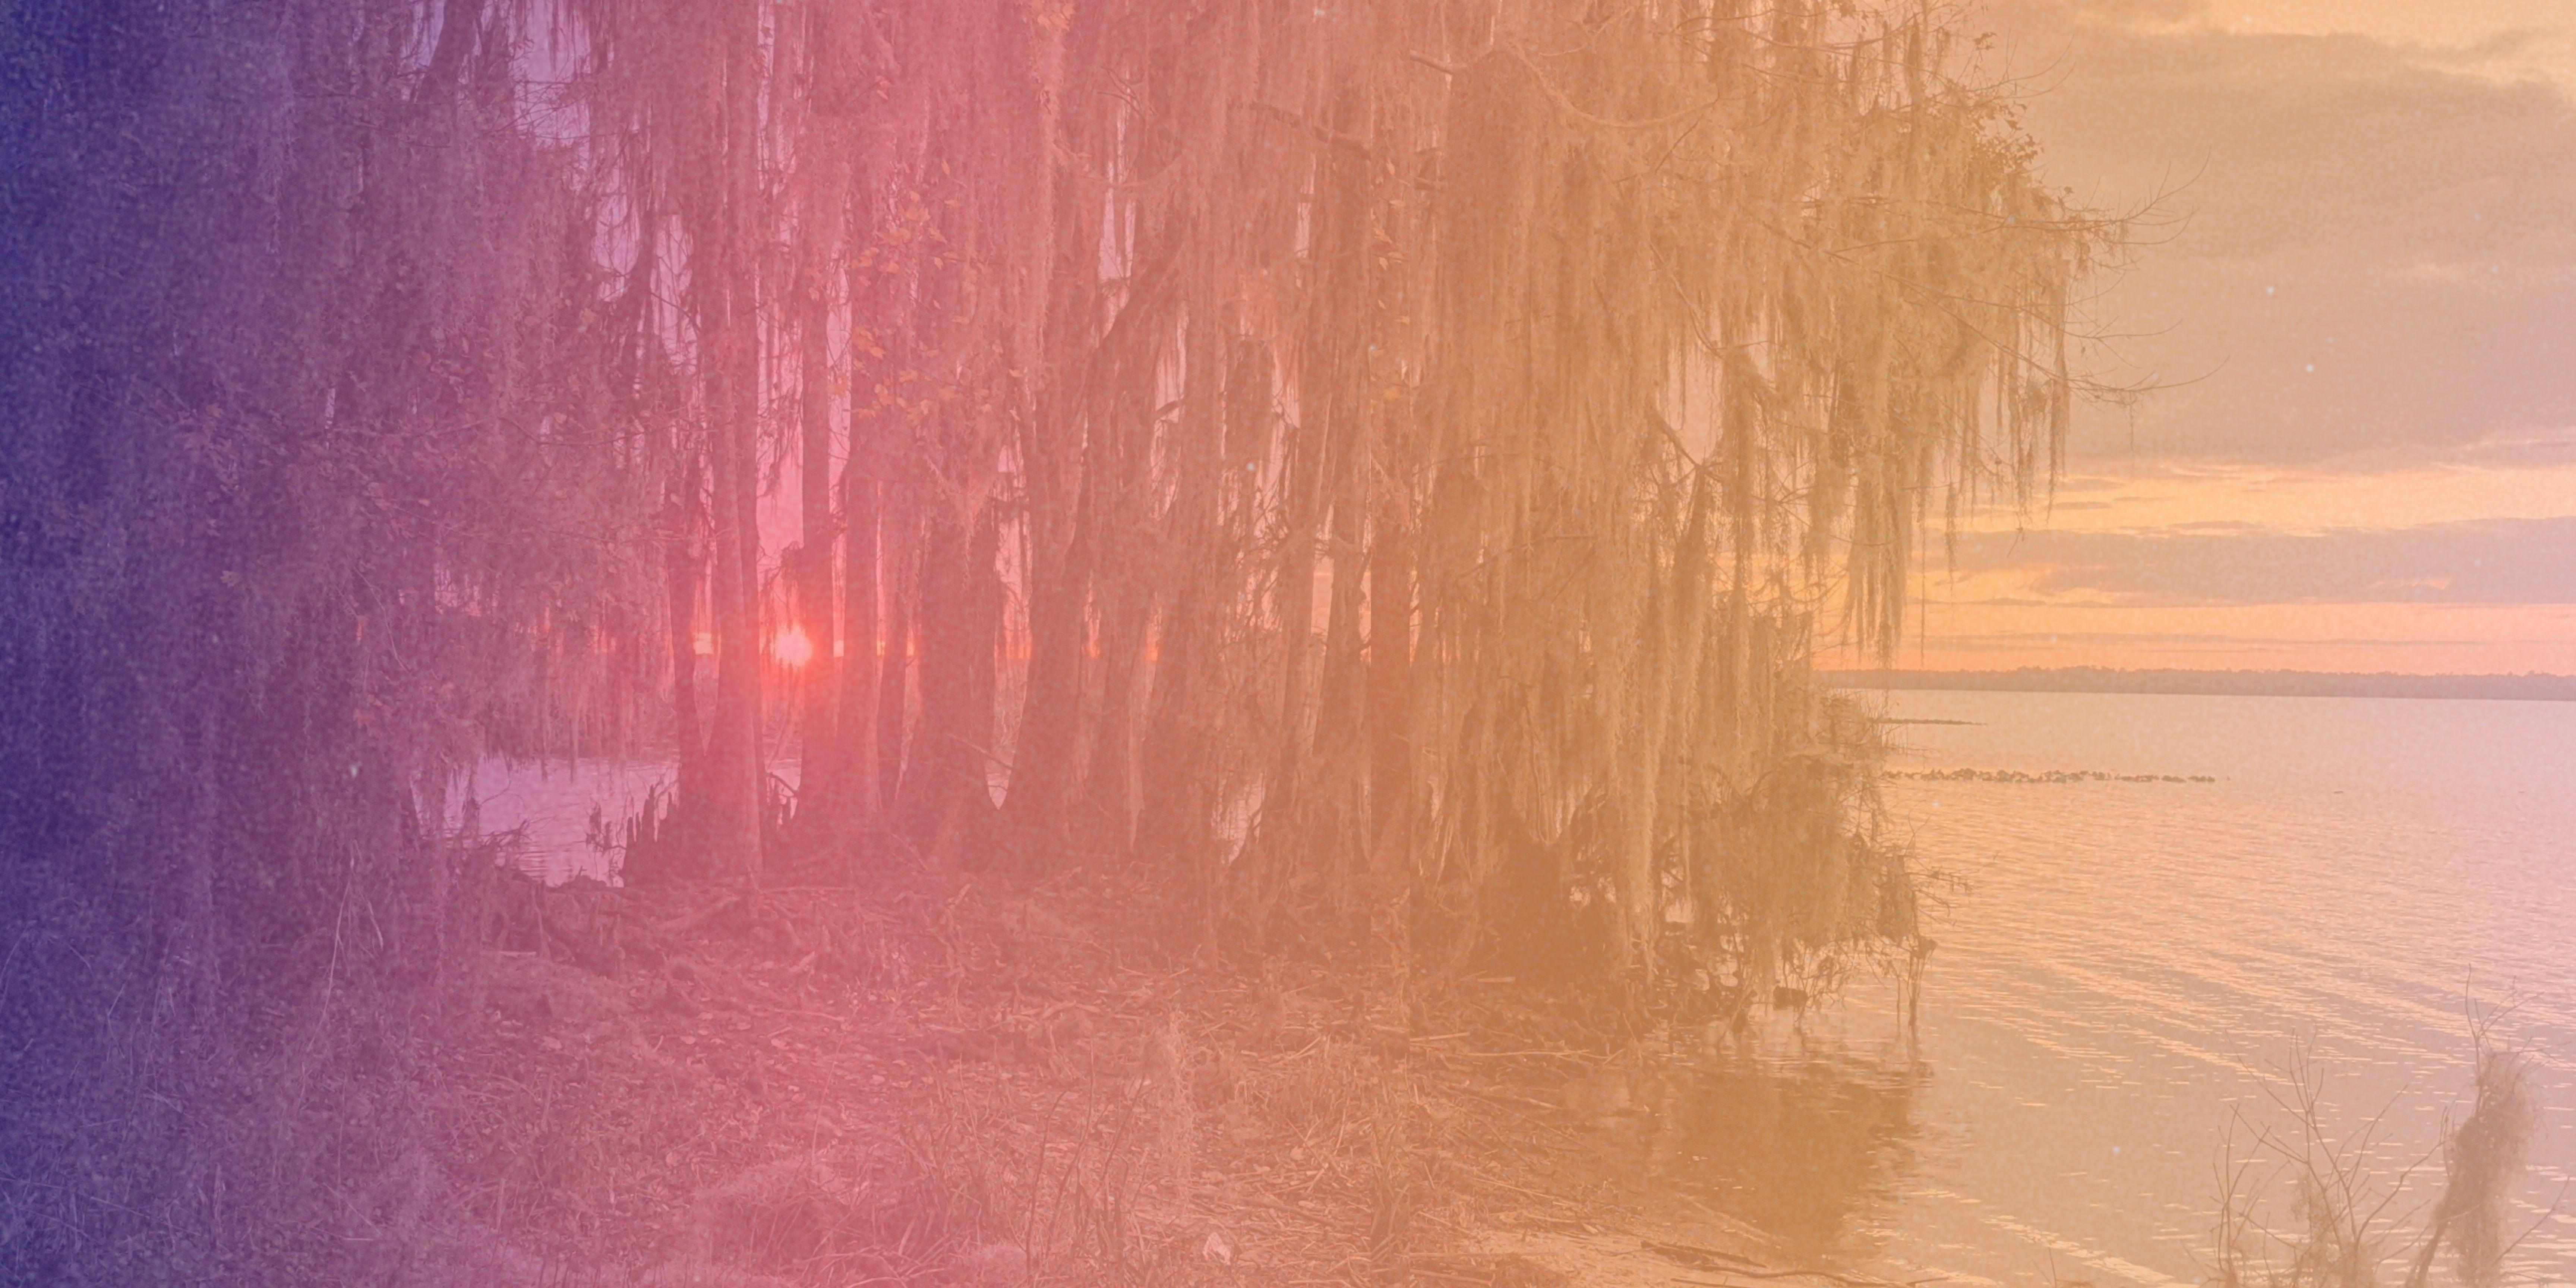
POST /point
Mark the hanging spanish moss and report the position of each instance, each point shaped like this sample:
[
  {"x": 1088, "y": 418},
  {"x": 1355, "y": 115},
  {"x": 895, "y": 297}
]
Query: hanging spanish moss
[
  {"x": 1375, "y": 473},
  {"x": 1394, "y": 460}
]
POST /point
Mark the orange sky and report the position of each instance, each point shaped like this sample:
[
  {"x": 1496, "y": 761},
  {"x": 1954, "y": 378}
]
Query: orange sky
[{"x": 2359, "y": 298}]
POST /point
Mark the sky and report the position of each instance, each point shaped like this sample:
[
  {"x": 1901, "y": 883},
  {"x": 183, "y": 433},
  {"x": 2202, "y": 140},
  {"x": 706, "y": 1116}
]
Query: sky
[{"x": 2350, "y": 308}]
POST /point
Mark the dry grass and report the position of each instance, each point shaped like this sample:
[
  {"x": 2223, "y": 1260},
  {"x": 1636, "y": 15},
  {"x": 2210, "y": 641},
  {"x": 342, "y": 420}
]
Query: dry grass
[
  {"x": 2346, "y": 1219},
  {"x": 815, "y": 1087},
  {"x": 978, "y": 1083}
]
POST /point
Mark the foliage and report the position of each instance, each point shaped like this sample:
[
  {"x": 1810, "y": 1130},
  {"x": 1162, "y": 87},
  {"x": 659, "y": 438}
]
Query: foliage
[
  {"x": 314, "y": 472},
  {"x": 1390, "y": 460},
  {"x": 1381, "y": 467}
]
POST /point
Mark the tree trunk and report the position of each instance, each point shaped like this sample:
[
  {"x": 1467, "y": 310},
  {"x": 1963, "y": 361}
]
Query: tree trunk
[
  {"x": 899, "y": 542},
  {"x": 864, "y": 649},
  {"x": 684, "y": 566},
  {"x": 822, "y": 788},
  {"x": 944, "y": 781},
  {"x": 732, "y": 361},
  {"x": 1054, "y": 467}
]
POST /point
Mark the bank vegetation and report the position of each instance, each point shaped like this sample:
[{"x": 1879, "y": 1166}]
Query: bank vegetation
[{"x": 1374, "y": 476}]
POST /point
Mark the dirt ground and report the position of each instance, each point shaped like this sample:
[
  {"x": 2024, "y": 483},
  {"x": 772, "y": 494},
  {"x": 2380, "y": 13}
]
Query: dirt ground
[{"x": 974, "y": 1082}]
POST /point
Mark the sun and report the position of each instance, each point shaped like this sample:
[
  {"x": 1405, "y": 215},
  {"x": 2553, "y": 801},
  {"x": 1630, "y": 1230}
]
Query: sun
[{"x": 791, "y": 647}]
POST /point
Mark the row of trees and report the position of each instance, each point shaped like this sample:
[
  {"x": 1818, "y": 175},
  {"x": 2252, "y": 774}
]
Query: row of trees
[
  {"x": 1391, "y": 456},
  {"x": 1390, "y": 459},
  {"x": 305, "y": 378}
]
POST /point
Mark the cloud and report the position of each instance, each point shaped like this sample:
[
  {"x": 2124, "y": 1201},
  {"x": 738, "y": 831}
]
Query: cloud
[
  {"x": 2511, "y": 43},
  {"x": 2011, "y": 639},
  {"x": 2494, "y": 561},
  {"x": 2374, "y": 267}
]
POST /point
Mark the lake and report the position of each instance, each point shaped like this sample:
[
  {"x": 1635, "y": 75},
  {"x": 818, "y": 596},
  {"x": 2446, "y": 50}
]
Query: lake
[
  {"x": 2129, "y": 972},
  {"x": 2126, "y": 973},
  {"x": 555, "y": 819}
]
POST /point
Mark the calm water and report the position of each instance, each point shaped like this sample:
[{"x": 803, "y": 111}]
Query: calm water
[
  {"x": 556, "y": 816},
  {"x": 2126, "y": 970}
]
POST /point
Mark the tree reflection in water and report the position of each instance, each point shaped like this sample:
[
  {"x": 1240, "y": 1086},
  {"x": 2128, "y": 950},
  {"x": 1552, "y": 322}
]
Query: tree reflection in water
[{"x": 1804, "y": 1138}]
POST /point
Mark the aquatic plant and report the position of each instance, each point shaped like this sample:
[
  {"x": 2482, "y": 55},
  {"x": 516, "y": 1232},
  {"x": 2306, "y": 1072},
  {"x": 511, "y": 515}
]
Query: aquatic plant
[
  {"x": 2346, "y": 1219},
  {"x": 2483, "y": 1157}
]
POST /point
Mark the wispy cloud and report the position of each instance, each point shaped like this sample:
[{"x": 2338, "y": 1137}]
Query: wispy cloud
[
  {"x": 2495, "y": 561},
  {"x": 2375, "y": 265}
]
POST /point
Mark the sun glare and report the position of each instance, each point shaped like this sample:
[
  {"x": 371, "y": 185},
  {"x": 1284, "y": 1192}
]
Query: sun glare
[{"x": 792, "y": 647}]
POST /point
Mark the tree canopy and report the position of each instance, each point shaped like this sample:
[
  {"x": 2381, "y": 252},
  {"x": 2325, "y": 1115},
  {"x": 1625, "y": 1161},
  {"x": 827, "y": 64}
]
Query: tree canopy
[{"x": 1378, "y": 469}]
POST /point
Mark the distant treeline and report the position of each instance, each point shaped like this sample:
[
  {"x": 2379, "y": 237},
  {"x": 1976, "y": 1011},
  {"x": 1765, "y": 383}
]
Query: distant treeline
[
  {"x": 2251, "y": 684},
  {"x": 2044, "y": 776}
]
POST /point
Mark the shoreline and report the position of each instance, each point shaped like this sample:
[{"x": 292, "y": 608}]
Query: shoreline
[
  {"x": 965, "y": 1080},
  {"x": 2244, "y": 684}
]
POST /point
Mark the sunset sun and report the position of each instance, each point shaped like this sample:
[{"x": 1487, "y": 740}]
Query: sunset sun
[{"x": 792, "y": 647}]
